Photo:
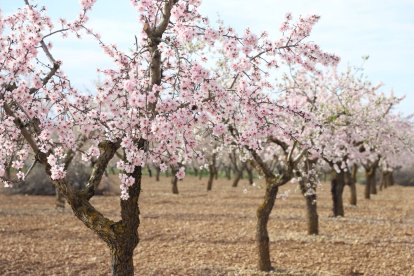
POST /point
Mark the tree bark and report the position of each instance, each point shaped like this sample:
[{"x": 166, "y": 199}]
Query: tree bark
[
  {"x": 353, "y": 198},
  {"x": 337, "y": 188},
  {"x": 262, "y": 236},
  {"x": 122, "y": 262},
  {"x": 374, "y": 181},
  {"x": 174, "y": 182},
  {"x": 370, "y": 174},
  {"x": 122, "y": 247},
  {"x": 212, "y": 169},
  {"x": 311, "y": 208},
  {"x": 211, "y": 176}
]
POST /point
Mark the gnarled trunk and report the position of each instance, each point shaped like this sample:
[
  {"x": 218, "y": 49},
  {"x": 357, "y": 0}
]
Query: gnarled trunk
[
  {"x": 262, "y": 236},
  {"x": 337, "y": 188}
]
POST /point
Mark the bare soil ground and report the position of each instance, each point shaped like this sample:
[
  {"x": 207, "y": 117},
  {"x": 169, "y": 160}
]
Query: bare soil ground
[{"x": 200, "y": 233}]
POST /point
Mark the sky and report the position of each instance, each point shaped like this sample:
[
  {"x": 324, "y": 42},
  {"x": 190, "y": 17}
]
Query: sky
[{"x": 381, "y": 29}]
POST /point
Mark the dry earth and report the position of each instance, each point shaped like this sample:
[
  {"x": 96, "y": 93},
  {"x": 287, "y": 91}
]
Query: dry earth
[{"x": 200, "y": 233}]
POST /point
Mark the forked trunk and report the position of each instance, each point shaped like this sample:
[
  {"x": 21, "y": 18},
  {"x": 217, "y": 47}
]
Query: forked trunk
[
  {"x": 337, "y": 188},
  {"x": 123, "y": 245},
  {"x": 262, "y": 236}
]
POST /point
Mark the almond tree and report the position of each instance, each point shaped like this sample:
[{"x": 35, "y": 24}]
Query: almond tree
[
  {"x": 252, "y": 117},
  {"x": 147, "y": 107}
]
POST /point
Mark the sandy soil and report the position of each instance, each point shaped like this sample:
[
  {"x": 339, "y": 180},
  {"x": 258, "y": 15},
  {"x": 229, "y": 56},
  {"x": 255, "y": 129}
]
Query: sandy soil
[{"x": 200, "y": 233}]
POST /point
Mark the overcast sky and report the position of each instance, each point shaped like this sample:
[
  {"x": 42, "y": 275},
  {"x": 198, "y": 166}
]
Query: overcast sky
[{"x": 382, "y": 29}]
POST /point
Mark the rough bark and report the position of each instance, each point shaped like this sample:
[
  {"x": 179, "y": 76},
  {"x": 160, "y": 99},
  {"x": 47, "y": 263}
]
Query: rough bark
[
  {"x": 337, "y": 188},
  {"x": 262, "y": 236}
]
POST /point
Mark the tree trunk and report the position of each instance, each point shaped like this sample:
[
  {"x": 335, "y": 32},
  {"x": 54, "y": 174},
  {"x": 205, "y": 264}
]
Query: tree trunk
[
  {"x": 237, "y": 177},
  {"x": 174, "y": 183},
  {"x": 262, "y": 236},
  {"x": 352, "y": 185},
  {"x": 122, "y": 262},
  {"x": 391, "y": 179},
  {"x": 337, "y": 188},
  {"x": 311, "y": 208},
  {"x": 369, "y": 182},
  {"x": 123, "y": 245},
  {"x": 149, "y": 171},
  {"x": 374, "y": 181},
  {"x": 157, "y": 174},
  {"x": 195, "y": 170},
  {"x": 60, "y": 200},
  {"x": 211, "y": 175}
]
